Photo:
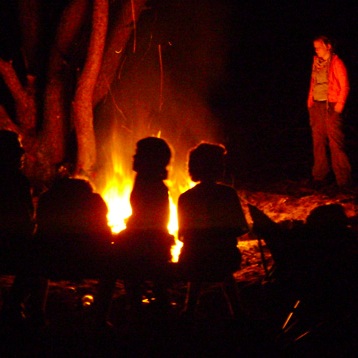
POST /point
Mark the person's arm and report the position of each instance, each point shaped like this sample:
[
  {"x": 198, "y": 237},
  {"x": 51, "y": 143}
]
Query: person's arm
[
  {"x": 310, "y": 91},
  {"x": 242, "y": 222},
  {"x": 340, "y": 72}
]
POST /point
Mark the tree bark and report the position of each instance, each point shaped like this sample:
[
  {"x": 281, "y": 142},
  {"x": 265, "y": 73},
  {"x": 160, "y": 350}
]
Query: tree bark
[
  {"x": 61, "y": 78},
  {"x": 24, "y": 96},
  {"x": 117, "y": 41},
  {"x": 55, "y": 92},
  {"x": 30, "y": 22},
  {"x": 83, "y": 101}
]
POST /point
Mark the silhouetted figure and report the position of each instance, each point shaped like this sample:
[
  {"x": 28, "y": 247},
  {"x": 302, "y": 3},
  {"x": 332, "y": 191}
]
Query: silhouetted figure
[
  {"x": 285, "y": 241},
  {"x": 16, "y": 218},
  {"x": 210, "y": 221},
  {"x": 334, "y": 259},
  {"x": 72, "y": 230},
  {"x": 143, "y": 248},
  {"x": 316, "y": 260},
  {"x": 72, "y": 240}
]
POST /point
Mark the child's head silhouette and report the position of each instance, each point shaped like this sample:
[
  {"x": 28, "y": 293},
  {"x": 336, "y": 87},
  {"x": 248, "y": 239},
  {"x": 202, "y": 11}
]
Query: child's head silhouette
[
  {"x": 152, "y": 157},
  {"x": 206, "y": 162},
  {"x": 328, "y": 217}
]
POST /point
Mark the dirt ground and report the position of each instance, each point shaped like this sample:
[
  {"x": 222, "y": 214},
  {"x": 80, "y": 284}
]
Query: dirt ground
[
  {"x": 69, "y": 332},
  {"x": 213, "y": 333}
]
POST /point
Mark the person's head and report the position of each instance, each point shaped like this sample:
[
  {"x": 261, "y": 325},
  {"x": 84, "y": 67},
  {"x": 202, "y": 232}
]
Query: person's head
[
  {"x": 323, "y": 46},
  {"x": 152, "y": 157},
  {"x": 207, "y": 162},
  {"x": 328, "y": 218},
  {"x": 11, "y": 151},
  {"x": 72, "y": 187}
]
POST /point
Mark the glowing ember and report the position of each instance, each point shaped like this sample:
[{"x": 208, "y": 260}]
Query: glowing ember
[{"x": 280, "y": 207}]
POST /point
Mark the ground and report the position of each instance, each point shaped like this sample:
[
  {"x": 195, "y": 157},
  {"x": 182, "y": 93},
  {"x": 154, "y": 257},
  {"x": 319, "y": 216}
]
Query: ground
[{"x": 213, "y": 333}]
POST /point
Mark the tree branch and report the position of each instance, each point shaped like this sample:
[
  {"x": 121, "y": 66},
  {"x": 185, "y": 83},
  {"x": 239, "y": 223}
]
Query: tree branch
[
  {"x": 12, "y": 81},
  {"x": 24, "y": 96},
  {"x": 116, "y": 45}
]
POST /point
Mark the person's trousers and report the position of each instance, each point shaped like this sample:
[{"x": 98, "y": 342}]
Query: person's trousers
[{"x": 327, "y": 133}]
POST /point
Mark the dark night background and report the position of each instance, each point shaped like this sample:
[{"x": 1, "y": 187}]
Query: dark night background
[
  {"x": 264, "y": 99},
  {"x": 250, "y": 62},
  {"x": 241, "y": 68}
]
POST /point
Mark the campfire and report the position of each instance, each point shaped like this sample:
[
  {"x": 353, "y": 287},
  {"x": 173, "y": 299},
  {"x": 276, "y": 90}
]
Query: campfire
[
  {"x": 278, "y": 206},
  {"x": 116, "y": 193}
]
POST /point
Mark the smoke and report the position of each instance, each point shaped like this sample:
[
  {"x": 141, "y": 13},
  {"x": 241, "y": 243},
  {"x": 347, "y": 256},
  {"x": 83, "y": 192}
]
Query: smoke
[{"x": 165, "y": 88}]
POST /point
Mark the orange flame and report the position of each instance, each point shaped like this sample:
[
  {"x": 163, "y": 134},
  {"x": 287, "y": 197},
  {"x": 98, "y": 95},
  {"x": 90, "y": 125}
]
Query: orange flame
[
  {"x": 117, "y": 198},
  {"x": 173, "y": 229},
  {"x": 173, "y": 225},
  {"x": 116, "y": 194}
]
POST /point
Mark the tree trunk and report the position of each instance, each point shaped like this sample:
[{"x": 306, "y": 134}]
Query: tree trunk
[
  {"x": 61, "y": 78},
  {"x": 117, "y": 41},
  {"x": 30, "y": 20},
  {"x": 56, "y": 92},
  {"x": 24, "y": 96},
  {"x": 82, "y": 104}
]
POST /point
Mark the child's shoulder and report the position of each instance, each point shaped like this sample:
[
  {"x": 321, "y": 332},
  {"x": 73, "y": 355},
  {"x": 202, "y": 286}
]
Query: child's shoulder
[{"x": 210, "y": 189}]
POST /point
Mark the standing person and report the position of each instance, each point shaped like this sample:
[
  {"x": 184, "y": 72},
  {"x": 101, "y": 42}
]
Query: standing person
[
  {"x": 329, "y": 88},
  {"x": 143, "y": 248},
  {"x": 210, "y": 221}
]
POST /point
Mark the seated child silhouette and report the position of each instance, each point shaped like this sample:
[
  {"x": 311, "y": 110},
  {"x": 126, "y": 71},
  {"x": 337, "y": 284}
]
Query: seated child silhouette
[
  {"x": 143, "y": 249},
  {"x": 147, "y": 232},
  {"x": 16, "y": 206},
  {"x": 210, "y": 221},
  {"x": 16, "y": 220},
  {"x": 72, "y": 229}
]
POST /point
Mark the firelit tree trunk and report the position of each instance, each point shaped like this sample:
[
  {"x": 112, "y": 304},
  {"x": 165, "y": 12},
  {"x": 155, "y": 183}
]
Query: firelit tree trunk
[
  {"x": 83, "y": 100},
  {"x": 61, "y": 77},
  {"x": 117, "y": 40},
  {"x": 66, "y": 76}
]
